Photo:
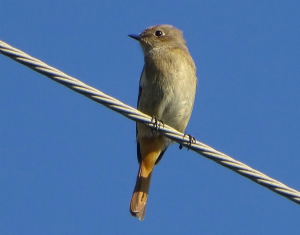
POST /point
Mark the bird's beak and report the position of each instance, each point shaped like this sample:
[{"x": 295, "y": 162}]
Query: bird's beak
[{"x": 134, "y": 36}]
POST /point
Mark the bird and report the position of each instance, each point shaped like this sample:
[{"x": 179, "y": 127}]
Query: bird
[{"x": 167, "y": 91}]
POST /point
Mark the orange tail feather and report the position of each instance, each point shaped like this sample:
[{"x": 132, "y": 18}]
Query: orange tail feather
[{"x": 139, "y": 198}]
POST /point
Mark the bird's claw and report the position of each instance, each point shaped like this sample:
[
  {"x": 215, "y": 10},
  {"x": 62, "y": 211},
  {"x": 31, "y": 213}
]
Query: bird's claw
[
  {"x": 156, "y": 125},
  {"x": 192, "y": 140}
]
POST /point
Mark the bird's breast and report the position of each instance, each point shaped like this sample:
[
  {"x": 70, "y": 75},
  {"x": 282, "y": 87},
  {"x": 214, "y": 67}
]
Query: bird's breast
[{"x": 168, "y": 86}]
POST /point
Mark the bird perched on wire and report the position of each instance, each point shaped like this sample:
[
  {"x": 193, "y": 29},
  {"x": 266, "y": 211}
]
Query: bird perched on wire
[{"x": 167, "y": 92}]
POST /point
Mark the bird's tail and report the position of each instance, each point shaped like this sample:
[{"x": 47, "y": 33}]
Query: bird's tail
[{"x": 140, "y": 193}]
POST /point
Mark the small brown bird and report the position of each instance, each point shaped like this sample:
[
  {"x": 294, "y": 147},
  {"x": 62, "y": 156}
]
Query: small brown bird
[{"x": 167, "y": 92}]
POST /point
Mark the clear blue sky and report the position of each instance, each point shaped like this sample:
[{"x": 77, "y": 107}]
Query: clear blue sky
[{"x": 68, "y": 165}]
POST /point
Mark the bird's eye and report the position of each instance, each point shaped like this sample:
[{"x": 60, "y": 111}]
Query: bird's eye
[{"x": 158, "y": 33}]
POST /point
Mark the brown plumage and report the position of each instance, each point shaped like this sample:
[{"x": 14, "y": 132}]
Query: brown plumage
[{"x": 167, "y": 91}]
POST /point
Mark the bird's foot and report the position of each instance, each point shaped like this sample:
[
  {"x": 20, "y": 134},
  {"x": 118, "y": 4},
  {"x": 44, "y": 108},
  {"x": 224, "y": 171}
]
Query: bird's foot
[
  {"x": 192, "y": 140},
  {"x": 156, "y": 125}
]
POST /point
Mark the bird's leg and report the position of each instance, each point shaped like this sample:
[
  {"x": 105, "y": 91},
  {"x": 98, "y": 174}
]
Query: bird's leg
[
  {"x": 156, "y": 125},
  {"x": 192, "y": 140}
]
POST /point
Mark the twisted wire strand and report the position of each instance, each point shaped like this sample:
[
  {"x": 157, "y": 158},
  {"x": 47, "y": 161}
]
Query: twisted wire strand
[{"x": 138, "y": 116}]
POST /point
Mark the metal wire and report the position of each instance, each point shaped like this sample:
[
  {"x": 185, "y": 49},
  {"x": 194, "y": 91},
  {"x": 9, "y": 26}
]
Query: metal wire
[{"x": 137, "y": 116}]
